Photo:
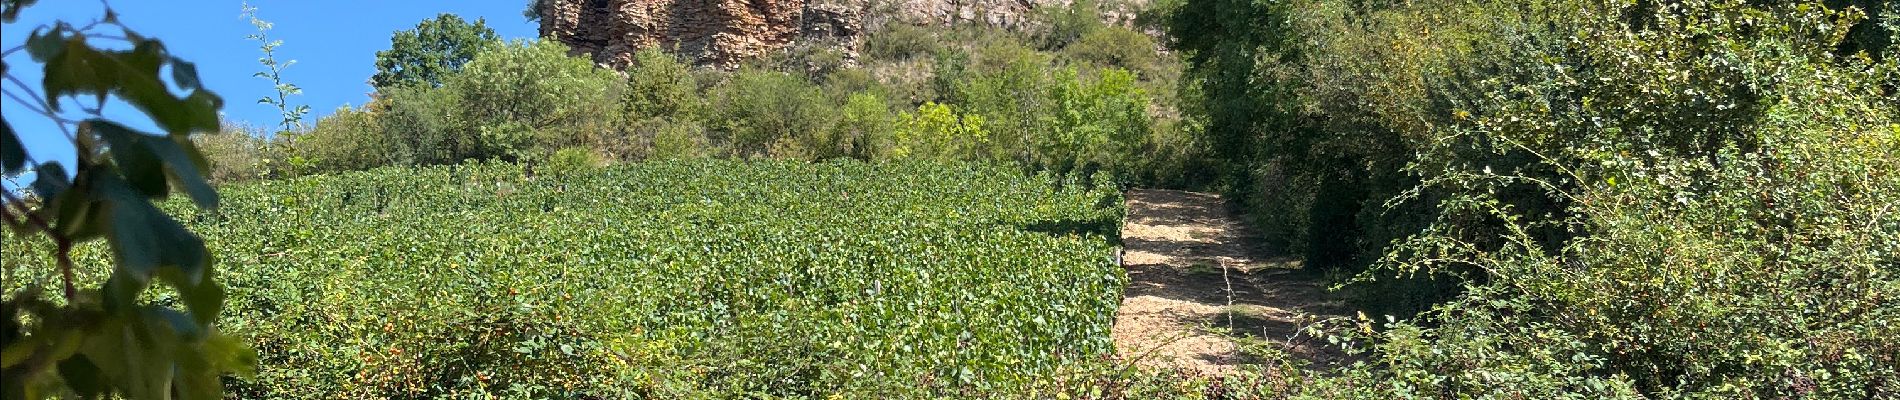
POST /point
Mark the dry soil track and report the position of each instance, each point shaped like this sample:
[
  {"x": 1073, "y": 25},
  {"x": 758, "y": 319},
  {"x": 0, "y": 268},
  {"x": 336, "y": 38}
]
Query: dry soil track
[{"x": 1198, "y": 281}]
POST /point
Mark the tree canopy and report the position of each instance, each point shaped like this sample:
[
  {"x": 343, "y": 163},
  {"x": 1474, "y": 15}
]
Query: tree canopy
[{"x": 434, "y": 49}]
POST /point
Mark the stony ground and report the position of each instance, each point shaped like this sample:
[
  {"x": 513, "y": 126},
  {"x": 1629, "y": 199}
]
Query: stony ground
[{"x": 1200, "y": 288}]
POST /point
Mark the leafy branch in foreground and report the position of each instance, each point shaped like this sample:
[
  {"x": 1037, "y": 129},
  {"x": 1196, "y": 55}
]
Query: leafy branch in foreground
[{"x": 104, "y": 340}]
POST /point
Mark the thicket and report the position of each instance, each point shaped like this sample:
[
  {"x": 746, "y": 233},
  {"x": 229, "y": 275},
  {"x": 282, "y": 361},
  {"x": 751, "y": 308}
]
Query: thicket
[
  {"x": 1097, "y": 99},
  {"x": 1576, "y": 199}
]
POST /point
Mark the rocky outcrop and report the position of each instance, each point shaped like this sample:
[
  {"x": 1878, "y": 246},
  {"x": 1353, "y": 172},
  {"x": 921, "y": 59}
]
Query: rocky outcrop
[
  {"x": 715, "y": 31},
  {"x": 722, "y": 33}
]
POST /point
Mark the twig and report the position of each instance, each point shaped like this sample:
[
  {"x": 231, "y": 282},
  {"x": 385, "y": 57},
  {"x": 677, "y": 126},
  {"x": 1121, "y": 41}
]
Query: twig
[{"x": 65, "y": 251}]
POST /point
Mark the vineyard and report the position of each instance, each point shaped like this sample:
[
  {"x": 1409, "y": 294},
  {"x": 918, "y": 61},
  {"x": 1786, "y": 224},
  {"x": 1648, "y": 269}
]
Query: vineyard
[{"x": 672, "y": 280}]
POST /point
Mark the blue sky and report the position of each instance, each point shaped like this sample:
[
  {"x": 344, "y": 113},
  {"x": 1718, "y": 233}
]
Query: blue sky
[{"x": 334, "y": 43}]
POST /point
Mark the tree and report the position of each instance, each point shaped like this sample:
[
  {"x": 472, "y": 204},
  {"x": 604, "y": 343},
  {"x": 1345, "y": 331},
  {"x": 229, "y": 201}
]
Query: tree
[
  {"x": 436, "y": 48},
  {"x": 108, "y": 340},
  {"x": 527, "y": 100}
]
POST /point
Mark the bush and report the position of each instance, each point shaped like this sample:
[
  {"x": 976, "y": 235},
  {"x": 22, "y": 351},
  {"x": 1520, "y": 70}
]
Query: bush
[
  {"x": 1625, "y": 199},
  {"x": 678, "y": 140},
  {"x": 765, "y": 110},
  {"x": 1058, "y": 25},
  {"x": 347, "y": 140},
  {"x": 234, "y": 153},
  {"x": 429, "y": 127},
  {"x": 1097, "y": 123},
  {"x": 899, "y": 41},
  {"x": 1117, "y": 47},
  {"x": 572, "y": 160},
  {"x": 533, "y": 98},
  {"x": 660, "y": 85},
  {"x": 935, "y": 132},
  {"x": 866, "y": 126}
]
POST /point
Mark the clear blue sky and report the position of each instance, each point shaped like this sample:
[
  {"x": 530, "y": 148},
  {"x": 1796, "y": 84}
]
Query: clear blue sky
[{"x": 334, "y": 43}]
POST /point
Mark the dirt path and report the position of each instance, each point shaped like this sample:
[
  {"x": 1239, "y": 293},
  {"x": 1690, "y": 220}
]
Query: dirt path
[{"x": 1199, "y": 287}]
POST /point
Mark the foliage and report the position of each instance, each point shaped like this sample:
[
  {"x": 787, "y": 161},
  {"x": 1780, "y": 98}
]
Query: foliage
[
  {"x": 434, "y": 49},
  {"x": 572, "y": 160},
  {"x": 939, "y": 280},
  {"x": 1095, "y": 123},
  {"x": 866, "y": 127},
  {"x": 935, "y": 132},
  {"x": 674, "y": 140},
  {"x": 1118, "y": 47},
  {"x": 536, "y": 88},
  {"x": 233, "y": 154},
  {"x": 1626, "y": 199},
  {"x": 899, "y": 41},
  {"x": 427, "y": 127},
  {"x": 763, "y": 111},
  {"x": 274, "y": 72},
  {"x": 115, "y": 337},
  {"x": 350, "y": 139},
  {"x": 660, "y": 85},
  {"x": 1059, "y": 25}
]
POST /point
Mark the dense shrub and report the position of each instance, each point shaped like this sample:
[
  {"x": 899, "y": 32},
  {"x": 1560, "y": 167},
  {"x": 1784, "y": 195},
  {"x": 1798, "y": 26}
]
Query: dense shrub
[
  {"x": 347, "y": 140},
  {"x": 1094, "y": 122},
  {"x": 1057, "y": 25},
  {"x": 675, "y": 140},
  {"x": 234, "y": 154},
  {"x": 766, "y": 113},
  {"x": 428, "y": 127},
  {"x": 660, "y": 85},
  {"x": 900, "y": 41},
  {"x": 1678, "y": 199},
  {"x": 529, "y": 99},
  {"x": 866, "y": 126},
  {"x": 935, "y": 132},
  {"x": 1118, "y": 47}
]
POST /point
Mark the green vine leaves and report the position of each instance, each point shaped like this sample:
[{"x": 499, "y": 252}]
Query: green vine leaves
[{"x": 111, "y": 339}]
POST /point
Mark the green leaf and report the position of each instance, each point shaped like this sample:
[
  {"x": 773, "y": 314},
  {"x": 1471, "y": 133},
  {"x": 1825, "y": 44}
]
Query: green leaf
[
  {"x": 185, "y": 74},
  {"x": 133, "y": 77},
  {"x": 145, "y": 159},
  {"x": 45, "y": 45},
  {"x": 83, "y": 377},
  {"x": 12, "y": 153},
  {"x": 143, "y": 238},
  {"x": 13, "y": 7},
  {"x": 133, "y": 157}
]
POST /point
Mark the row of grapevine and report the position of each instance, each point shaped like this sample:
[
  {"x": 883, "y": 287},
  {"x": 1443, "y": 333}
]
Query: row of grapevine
[{"x": 668, "y": 280}]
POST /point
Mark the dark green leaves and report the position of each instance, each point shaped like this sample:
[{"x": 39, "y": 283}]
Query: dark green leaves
[
  {"x": 73, "y": 68},
  {"x": 12, "y": 154},
  {"x": 146, "y": 161},
  {"x": 101, "y": 342},
  {"x": 10, "y": 9}
]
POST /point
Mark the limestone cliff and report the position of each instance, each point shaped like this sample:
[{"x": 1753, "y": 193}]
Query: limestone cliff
[{"x": 722, "y": 33}]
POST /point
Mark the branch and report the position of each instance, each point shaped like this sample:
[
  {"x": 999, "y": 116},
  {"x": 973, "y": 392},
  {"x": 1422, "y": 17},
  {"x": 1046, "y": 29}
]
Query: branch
[{"x": 65, "y": 251}]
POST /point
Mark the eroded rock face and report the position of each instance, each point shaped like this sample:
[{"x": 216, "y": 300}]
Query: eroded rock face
[{"x": 721, "y": 33}]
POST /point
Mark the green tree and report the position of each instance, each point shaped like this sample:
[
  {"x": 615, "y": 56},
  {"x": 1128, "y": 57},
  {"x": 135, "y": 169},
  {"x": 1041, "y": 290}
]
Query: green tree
[
  {"x": 527, "y": 100},
  {"x": 111, "y": 339},
  {"x": 436, "y": 48}
]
